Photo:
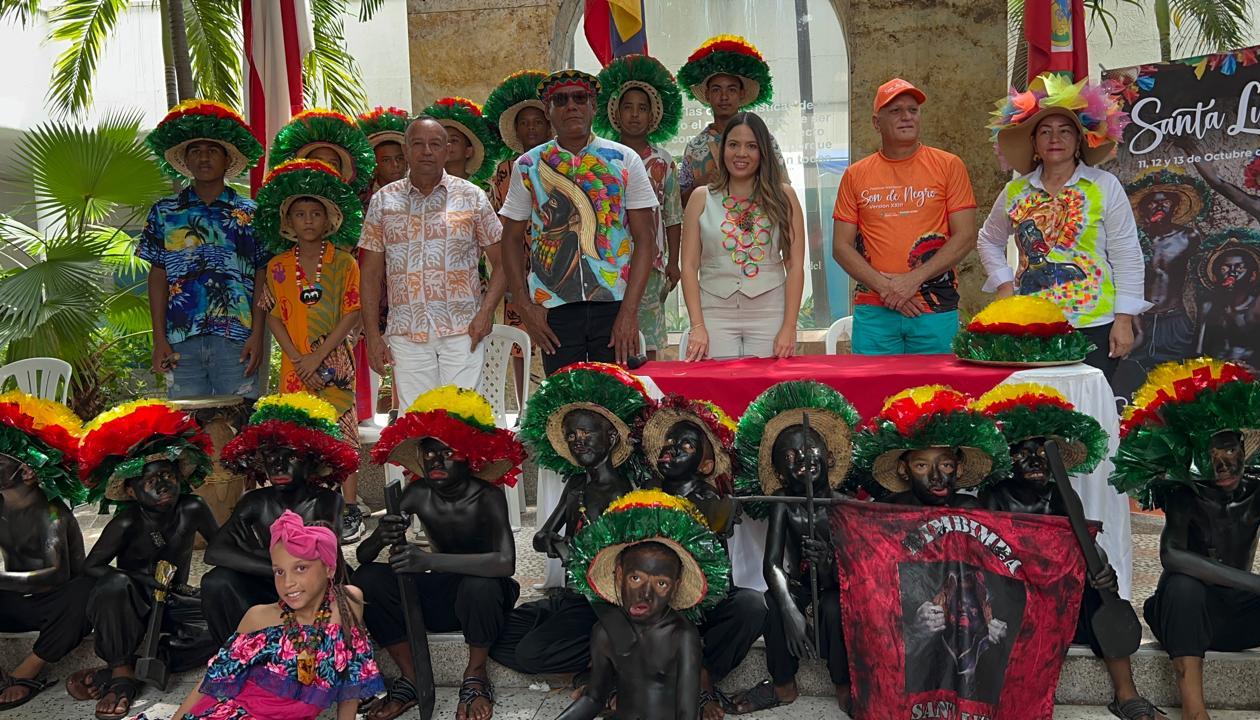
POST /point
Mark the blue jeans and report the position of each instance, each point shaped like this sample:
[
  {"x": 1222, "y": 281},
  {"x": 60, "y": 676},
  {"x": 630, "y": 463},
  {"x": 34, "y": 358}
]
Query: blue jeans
[
  {"x": 211, "y": 365},
  {"x": 880, "y": 331}
]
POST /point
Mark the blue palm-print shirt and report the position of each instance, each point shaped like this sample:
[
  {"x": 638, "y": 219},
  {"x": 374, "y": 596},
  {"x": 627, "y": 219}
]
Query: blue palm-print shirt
[{"x": 210, "y": 256}]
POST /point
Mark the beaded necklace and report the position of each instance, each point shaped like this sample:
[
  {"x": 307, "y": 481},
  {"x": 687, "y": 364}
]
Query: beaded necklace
[
  {"x": 305, "y": 642},
  {"x": 310, "y": 293},
  {"x": 746, "y": 232}
]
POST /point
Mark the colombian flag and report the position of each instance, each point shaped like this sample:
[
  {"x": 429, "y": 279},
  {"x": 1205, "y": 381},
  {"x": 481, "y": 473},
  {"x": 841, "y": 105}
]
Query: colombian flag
[
  {"x": 615, "y": 28},
  {"x": 1055, "y": 32}
]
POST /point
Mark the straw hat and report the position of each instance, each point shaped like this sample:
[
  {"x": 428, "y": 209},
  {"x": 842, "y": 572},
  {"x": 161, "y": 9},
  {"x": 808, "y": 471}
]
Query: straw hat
[
  {"x": 728, "y": 55},
  {"x": 602, "y": 388},
  {"x": 1196, "y": 199},
  {"x": 717, "y": 427},
  {"x": 313, "y": 129},
  {"x": 384, "y": 124},
  {"x": 1028, "y": 410},
  {"x": 199, "y": 121},
  {"x": 517, "y": 92},
  {"x": 119, "y": 442},
  {"x": 301, "y": 178},
  {"x": 43, "y": 435},
  {"x": 1097, "y": 116},
  {"x": 639, "y": 72},
  {"x": 301, "y": 421},
  {"x": 465, "y": 117}
]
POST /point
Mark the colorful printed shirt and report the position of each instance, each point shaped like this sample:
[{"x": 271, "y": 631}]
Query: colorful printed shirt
[
  {"x": 699, "y": 160},
  {"x": 256, "y": 675},
  {"x": 432, "y": 244},
  {"x": 211, "y": 257},
  {"x": 901, "y": 209},
  {"x": 1079, "y": 248},
  {"x": 580, "y": 242},
  {"x": 663, "y": 173}
]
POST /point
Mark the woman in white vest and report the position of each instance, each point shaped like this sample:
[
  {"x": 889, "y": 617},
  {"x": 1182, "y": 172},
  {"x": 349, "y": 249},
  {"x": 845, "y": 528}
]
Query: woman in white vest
[{"x": 743, "y": 252}]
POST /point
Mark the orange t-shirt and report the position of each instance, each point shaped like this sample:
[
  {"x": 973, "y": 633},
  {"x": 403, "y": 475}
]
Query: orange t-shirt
[{"x": 901, "y": 209}]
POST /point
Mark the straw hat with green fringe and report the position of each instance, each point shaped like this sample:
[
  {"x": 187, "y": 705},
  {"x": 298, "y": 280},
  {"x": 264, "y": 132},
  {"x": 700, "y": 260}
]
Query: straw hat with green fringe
[
  {"x": 931, "y": 416},
  {"x": 464, "y": 421},
  {"x": 312, "y": 129},
  {"x": 119, "y": 442},
  {"x": 197, "y": 120},
  {"x": 465, "y": 117},
  {"x": 517, "y": 92},
  {"x": 384, "y": 124},
  {"x": 1029, "y": 410},
  {"x": 651, "y": 516},
  {"x": 645, "y": 73},
  {"x": 602, "y": 388},
  {"x": 1167, "y": 430},
  {"x": 716, "y": 425},
  {"x": 780, "y": 407},
  {"x": 300, "y": 421},
  {"x": 728, "y": 55},
  {"x": 1021, "y": 329},
  {"x": 297, "y": 179},
  {"x": 43, "y": 435}
]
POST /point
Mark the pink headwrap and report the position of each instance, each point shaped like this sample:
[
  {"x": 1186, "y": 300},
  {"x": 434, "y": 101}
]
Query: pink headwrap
[{"x": 304, "y": 541}]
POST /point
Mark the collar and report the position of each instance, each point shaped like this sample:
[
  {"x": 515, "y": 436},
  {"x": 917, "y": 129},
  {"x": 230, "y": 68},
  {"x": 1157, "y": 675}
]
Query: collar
[
  {"x": 443, "y": 184},
  {"x": 187, "y": 197},
  {"x": 590, "y": 141},
  {"x": 1082, "y": 172},
  {"x": 911, "y": 156}
]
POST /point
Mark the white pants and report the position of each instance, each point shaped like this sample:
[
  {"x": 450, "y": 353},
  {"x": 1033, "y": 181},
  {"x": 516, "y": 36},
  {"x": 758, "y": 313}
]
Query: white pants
[
  {"x": 740, "y": 326},
  {"x": 420, "y": 367}
]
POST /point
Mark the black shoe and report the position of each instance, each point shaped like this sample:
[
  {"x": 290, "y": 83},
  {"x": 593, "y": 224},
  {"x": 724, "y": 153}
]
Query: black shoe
[{"x": 351, "y": 524}]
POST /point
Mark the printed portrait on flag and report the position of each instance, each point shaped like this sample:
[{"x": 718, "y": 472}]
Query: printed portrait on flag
[
  {"x": 1190, "y": 162},
  {"x": 952, "y": 613}
]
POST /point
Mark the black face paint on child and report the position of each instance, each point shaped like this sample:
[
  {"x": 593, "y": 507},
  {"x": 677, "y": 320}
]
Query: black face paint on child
[
  {"x": 1028, "y": 462},
  {"x": 932, "y": 472},
  {"x": 589, "y": 436},
  {"x": 443, "y": 467},
  {"x": 157, "y": 487},
  {"x": 647, "y": 577},
  {"x": 685, "y": 453}
]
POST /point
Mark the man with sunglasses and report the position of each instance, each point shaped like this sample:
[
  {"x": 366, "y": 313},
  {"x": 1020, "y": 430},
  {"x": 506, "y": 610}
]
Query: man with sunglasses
[{"x": 586, "y": 201}]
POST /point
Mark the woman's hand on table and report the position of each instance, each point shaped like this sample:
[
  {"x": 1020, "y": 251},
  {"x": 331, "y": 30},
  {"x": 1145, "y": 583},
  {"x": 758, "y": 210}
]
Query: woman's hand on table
[
  {"x": 785, "y": 342},
  {"x": 697, "y": 344},
  {"x": 1121, "y": 336}
]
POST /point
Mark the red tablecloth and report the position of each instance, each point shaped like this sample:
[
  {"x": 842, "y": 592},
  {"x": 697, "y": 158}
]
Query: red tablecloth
[{"x": 866, "y": 380}]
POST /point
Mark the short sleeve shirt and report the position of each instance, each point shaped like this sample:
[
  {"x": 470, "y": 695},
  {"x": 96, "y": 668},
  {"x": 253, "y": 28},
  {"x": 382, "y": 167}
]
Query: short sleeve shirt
[
  {"x": 901, "y": 209},
  {"x": 576, "y": 204},
  {"x": 210, "y": 256},
  {"x": 699, "y": 160},
  {"x": 432, "y": 244}
]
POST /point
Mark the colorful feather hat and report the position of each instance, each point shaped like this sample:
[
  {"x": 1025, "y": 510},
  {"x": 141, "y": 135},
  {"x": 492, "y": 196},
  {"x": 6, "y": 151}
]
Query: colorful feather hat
[
  {"x": 43, "y": 436},
  {"x": 312, "y": 129},
  {"x": 645, "y": 73},
  {"x": 461, "y": 419},
  {"x": 728, "y": 55},
  {"x": 300, "y": 421},
  {"x": 1021, "y": 329},
  {"x": 197, "y": 120},
  {"x": 119, "y": 442},
  {"x": 465, "y": 117},
  {"x": 1029, "y": 410},
  {"x": 517, "y": 92},
  {"x": 297, "y": 179},
  {"x": 1097, "y": 116},
  {"x": 384, "y": 124}
]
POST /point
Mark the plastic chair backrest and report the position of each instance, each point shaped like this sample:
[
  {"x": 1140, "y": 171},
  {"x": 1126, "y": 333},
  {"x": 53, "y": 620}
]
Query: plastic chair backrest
[
  {"x": 496, "y": 368},
  {"x": 45, "y": 377},
  {"x": 841, "y": 329}
]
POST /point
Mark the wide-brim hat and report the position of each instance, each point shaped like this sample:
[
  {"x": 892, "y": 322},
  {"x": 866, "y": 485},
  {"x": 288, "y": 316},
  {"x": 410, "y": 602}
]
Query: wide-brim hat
[
  {"x": 119, "y": 442},
  {"x": 193, "y": 462},
  {"x": 718, "y": 429},
  {"x": 1195, "y": 198},
  {"x": 555, "y": 432},
  {"x": 318, "y": 128},
  {"x": 1016, "y": 143},
  {"x": 466, "y": 117},
  {"x": 1024, "y": 411},
  {"x": 1235, "y": 240},
  {"x": 976, "y": 465},
  {"x": 728, "y": 55},
  {"x": 301, "y": 421},
  {"x": 603, "y": 388},
  {"x": 384, "y": 124},
  {"x": 303, "y": 178},
  {"x": 43, "y": 435},
  {"x": 1092, "y": 109},
  {"x": 203, "y": 121},
  {"x": 645, "y": 73},
  {"x": 1021, "y": 329},
  {"x": 517, "y": 92}
]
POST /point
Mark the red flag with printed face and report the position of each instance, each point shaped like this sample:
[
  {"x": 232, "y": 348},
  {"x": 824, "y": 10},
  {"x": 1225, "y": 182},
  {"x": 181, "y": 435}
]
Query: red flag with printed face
[{"x": 955, "y": 614}]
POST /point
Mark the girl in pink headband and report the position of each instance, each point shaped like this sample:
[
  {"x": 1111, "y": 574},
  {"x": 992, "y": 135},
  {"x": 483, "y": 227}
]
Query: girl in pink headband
[{"x": 292, "y": 659}]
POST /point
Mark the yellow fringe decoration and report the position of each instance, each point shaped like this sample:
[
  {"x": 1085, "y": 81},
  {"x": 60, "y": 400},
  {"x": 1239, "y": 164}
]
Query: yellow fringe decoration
[
  {"x": 44, "y": 413},
  {"x": 1004, "y": 393},
  {"x": 1020, "y": 310},
  {"x": 458, "y": 401},
  {"x": 656, "y": 498},
  {"x": 312, "y": 405},
  {"x": 123, "y": 410},
  {"x": 922, "y": 394},
  {"x": 1163, "y": 377}
]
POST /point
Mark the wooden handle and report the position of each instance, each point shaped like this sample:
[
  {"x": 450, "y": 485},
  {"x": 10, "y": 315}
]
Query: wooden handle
[{"x": 1075, "y": 511}]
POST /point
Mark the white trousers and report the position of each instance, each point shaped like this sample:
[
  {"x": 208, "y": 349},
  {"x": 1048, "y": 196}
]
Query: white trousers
[
  {"x": 420, "y": 367},
  {"x": 740, "y": 326}
]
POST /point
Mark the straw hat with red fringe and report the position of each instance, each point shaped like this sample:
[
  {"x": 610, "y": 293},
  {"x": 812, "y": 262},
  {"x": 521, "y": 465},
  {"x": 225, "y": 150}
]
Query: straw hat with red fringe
[
  {"x": 119, "y": 442},
  {"x": 318, "y": 128},
  {"x": 384, "y": 124},
  {"x": 43, "y": 435},
  {"x": 1019, "y": 330},
  {"x": 300, "y": 421},
  {"x": 464, "y": 421},
  {"x": 464, "y": 116},
  {"x": 198, "y": 120},
  {"x": 1028, "y": 410},
  {"x": 728, "y": 55},
  {"x": 293, "y": 180},
  {"x": 716, "y": 425}
]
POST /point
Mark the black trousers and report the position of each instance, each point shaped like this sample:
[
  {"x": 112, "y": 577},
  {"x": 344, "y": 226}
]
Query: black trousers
[
  {"x": 118, "y": 609},
  {"x": 1091, "y": 601},
  {"x": 729, "y": 630},
  {"x": 1099, "y": 358},
  {"x": 584, "y": 330},
  {"x": 783, "y": 665},
  {"x": 476, "y": 605},
  {"x": 227, "y": 594},
  {"x": 60, "y": 616},
  {"x": 548, "y": 636},
  {"x": 1190, "y": 617}
]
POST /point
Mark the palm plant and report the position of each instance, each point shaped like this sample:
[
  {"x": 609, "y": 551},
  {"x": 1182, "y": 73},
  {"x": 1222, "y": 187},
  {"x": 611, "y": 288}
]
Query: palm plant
[
  {"x": 88, "y": 183},
  {"x": 202, "y": 45}
]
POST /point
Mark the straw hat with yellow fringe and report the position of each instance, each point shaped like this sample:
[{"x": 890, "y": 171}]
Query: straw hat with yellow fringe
[
  {"x": 301, "y": 421},
  {"x": 1028, "y": 410},
  {"x": 1167, "y": 430},
  {"x": 1021, "y": 329},
  {"x": 43, "y": 435},
  {"x": 119, "y": 442},
  {"x": 651, "y": 516},
  {"x": 931, "y": 416},
  {"x": 716, "y": 425},
  {"x": 464, "y": 421}
]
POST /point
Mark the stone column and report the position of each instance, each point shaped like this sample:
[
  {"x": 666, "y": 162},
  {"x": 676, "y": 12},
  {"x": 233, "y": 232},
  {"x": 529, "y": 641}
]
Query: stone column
[
  {"x": 465, "y": 47},
  {"x": 955, "y": 52}
]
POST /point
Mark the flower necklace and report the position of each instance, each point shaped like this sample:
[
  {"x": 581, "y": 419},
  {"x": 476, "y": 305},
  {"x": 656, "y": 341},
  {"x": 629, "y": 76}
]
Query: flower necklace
[
  {"x": 745, "y": 234},
  {"x": 310, "y": 293},
  {"x": 305, "y": 642}
]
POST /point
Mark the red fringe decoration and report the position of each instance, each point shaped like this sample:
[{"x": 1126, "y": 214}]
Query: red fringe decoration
[
  {"x": 336, "y": 454},
  {"x": 54, "y": 436},
  {"x": 905, "y": 413},
  {"x": 1184, "y": 390},
  {"x": 1018, "y": 329},
  {"x": 478, "y": 447},
  {"x": 122, "y": 435},
  {"x": 1030, "y": 400}
]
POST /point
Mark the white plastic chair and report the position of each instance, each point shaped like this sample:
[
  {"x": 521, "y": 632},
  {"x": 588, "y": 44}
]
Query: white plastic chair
[
  {"x": 45, "y": 377},
  {"x": 841, "y": 329},
  {"x": 683, "y": 338},
  {"x": 495, "y": 370}
]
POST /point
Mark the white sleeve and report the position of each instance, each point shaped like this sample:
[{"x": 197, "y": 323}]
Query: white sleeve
[
  {"x": 518, "y": 204},
  {"x": 1124, "y": 252},
  {"x": 991, "y": 245},
  {"x": 639, "y": 192}
]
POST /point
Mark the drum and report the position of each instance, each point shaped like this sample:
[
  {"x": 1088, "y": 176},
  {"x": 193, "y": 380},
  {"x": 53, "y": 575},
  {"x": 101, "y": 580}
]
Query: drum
[{"x": 221, "y": 416}]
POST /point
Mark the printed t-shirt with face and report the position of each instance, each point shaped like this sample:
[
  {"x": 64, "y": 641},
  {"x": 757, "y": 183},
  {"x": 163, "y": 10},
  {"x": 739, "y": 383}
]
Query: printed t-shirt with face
[{"x": 901, "y": 209}]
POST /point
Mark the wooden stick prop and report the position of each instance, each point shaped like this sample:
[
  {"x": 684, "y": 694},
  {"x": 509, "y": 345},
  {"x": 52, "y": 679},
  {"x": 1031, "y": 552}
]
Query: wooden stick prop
[
  {"x": 1115, "y": 624},
  {"x": 149, "y": 667},
  {"x": 413, "y": 619},
  {"x": 809, "y": 511}
]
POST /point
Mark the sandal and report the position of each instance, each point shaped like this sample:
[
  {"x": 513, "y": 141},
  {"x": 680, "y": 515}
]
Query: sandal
[
  {"x": 34, "y": 687},
  {"x": 400, "y": 691},
  {"x": 473, "y": 688},
  {"x": 1135, "y": 709},
  {"x": 122, "y": 688},
  {"x": 759, "y": 697},
  {"x": 87, "y": 684}
]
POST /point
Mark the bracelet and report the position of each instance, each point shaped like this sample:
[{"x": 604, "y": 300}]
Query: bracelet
[{"x": 697, "y": 325}]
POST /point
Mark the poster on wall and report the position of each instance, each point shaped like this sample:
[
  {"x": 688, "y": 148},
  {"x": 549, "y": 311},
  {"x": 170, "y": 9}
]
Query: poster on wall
[{"x": 1190, "y": 163}]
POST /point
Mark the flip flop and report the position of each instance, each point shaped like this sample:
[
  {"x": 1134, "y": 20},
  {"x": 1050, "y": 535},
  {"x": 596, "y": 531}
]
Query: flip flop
[
  {"x": 472, "y": 688},
  {"x": 122, "y": 688},
  {"x": 1134, "y": 709},
  {"x": 759, "y": 697},
  {"x": 400, "y": 691},
  {"x": 34, "y": 687}
]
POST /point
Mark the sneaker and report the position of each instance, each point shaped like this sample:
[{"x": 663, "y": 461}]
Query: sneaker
[{"x": 351, "y": 524}]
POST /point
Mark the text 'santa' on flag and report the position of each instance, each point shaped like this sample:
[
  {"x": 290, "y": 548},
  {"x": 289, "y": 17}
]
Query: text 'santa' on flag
[{"x": 955, "y": 614}]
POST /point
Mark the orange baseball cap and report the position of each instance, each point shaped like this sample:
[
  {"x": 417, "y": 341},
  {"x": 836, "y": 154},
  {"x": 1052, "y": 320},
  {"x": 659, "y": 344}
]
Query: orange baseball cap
[{"x": 891, "y": 89}]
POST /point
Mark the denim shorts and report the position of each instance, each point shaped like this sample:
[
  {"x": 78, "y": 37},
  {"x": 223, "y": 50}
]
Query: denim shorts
[{"x": 211, "y": 365}]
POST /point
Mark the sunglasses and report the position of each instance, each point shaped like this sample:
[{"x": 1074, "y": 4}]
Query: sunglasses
[{"x": 562, "y": 99}]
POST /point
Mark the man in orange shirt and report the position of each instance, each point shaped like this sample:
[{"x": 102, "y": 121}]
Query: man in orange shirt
[{"x": 903, "y": 217}]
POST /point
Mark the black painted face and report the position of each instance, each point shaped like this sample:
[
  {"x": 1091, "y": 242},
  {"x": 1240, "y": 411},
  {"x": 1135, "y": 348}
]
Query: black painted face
[
  {"x": 1028, "y": 462},
  {"x": 157, "y": 488},
  {"x": 932, "y": 472},
  {"x": 797, "y": 462},
  {"x": 686, "y": 452},
  {"x": 444, "y": 469},
  {"x": 1226, "y": 453},
  {"x": 14, "y": 472},
  {"x": 286, "y": 468},
  {"x": 590, "y": 437},
  {"x": 647, "y": 576}
]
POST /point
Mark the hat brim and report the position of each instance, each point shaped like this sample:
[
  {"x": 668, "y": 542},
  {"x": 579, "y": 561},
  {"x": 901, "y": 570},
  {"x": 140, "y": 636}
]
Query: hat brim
[
  {"x": 507, "y": 123},
  {"x": 692, "y": 585},
  {"x": 116, "y": 489},
  {"x": 835, "y": 432},
  {"x": 657, "y": 426},
  {"x": 976, "y": 466},
  {"x": 654, "y": 99},
  {"x": 752, "y": 89},
  {"x": 237, "y": 162},
  {"x": 913, "y": 92},
  {"x": 335, "y": 216},
  {"x": 385, "y": 136},
  {"x": 1187, "y": 210},
  {"x": 474, "y": 163},
  {"x": 405, "y": 454},
  {"x": 1251, "y": 443},
  {"x": 555, "y": 432},
  {"x": 347, "y": 163},
  {"x": 1072, "y": 452},
  {"x": 1016, "y": 143}
]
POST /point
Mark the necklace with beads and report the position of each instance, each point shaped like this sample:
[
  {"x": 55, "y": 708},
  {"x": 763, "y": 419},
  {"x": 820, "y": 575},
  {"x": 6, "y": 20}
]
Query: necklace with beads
[
  {"x": 305, "y": 642},
  {"x": 310, "y": 293}
]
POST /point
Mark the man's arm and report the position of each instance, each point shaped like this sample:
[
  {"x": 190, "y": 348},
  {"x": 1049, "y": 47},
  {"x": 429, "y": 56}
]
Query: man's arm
[
  {"x": 373, "y": 279},
  {"x": 1176, "y": 557},
  {"x": 252, "y": 353},
  {"x": 625, "y": 334},
  {"x": 159, "y": 297},
  {"x": 56, "y": 568},
  {"x": 603, "y": 683},
  {"x": 512, "y": 252},
  {"x": 483, "y": 322},
  {"x": 844, "y": 250},
  {"x": 549, "y": 538},
  {"x": 500, "y": 562}
]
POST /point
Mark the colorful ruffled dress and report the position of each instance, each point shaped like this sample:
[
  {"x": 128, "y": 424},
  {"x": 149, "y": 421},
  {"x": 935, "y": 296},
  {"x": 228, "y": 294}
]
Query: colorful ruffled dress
[{"x": 255, "y": 676}]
